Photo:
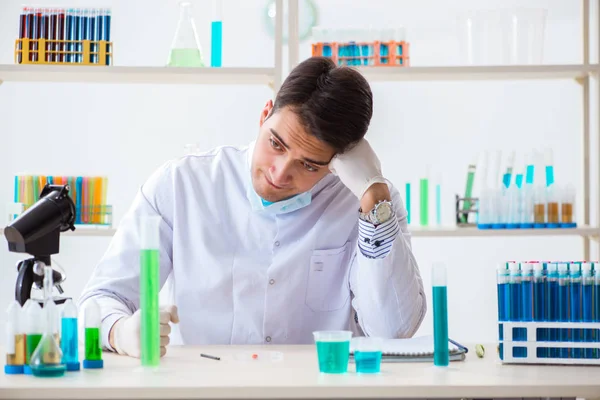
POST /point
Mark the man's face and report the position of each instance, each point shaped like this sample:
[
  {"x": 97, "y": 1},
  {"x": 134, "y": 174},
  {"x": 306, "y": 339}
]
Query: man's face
[{"x": 287, "y": 160}]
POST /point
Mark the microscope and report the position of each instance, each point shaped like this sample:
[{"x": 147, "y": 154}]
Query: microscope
[{"x": 37, "y": 233}]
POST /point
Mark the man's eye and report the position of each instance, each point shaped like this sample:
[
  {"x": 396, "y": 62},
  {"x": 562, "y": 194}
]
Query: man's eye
[
  {"x": 274, "y": 144},
  {"x": 310, "y": 168}
]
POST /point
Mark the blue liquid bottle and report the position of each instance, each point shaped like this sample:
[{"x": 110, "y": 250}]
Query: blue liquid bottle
[
  {"x": 576, "y": 314},
  {"x": 69, "y": 337},
  {"x": 563, "y": 306},
  {"x": 440, "y": 316},
  {"x": 587, "y": 302},
  {"x": 539, "y": 305}
]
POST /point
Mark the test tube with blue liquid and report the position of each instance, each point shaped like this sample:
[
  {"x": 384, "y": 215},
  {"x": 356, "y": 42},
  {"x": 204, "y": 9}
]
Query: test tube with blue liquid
[
  {"x": 503, "y": 301},
  {"x": 69, "y": 343},
  {"x": 440, "y": 315},
  {"x": 514, "y": 313},
  {"x": 596, "y": 306},
  {"x": 526, "y": 297},
  {"x": 563, "y": 305},
  {"x": 216, "y": 34},
  {"x": 587, "y": 303},
  {"x": 576, "y": 315},
  {"x": 552, "y": 309},
  {"x": 549, "y": 167},
  {"x": 539, "y": 301}
]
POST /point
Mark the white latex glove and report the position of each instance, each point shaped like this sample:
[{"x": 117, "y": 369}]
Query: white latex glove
[
  {"x": 358, "y": 168},
  {"x": 127, "y": 332}
]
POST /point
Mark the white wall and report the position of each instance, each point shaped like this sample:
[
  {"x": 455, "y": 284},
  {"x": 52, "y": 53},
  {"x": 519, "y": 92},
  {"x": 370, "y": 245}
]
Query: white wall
[{"x": 125, "y": 132}]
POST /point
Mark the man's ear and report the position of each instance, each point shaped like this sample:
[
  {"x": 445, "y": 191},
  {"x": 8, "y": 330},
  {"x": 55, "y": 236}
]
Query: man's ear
[{"x": 266, "y": 112}]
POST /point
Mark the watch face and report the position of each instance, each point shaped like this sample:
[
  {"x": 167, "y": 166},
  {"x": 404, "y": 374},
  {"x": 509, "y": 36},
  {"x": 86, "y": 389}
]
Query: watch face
[{"x": 383, "y": 212}]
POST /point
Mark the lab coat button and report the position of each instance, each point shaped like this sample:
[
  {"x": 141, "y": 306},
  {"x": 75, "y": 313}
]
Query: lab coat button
[
  {"x": 277, "y": 244},
  {"x": 272, "y": 281},
  {"x": 268, "y": 339}
]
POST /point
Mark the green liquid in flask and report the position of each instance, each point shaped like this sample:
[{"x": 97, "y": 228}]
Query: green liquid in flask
[
  {"x": 185, "y": 58},
  {"x": 32, "y": 339},
  {"x": 150, "y": 324}
]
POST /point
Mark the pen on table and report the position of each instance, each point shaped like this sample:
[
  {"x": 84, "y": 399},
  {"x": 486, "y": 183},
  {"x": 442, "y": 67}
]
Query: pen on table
[{"x": 209, "y": 356}]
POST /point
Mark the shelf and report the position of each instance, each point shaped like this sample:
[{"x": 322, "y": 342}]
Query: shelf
[
  {"x": 416, "y": 231},
  {"x": 148, "y": 75},
  {"x": 452, "y": 231},
  {"x": 509, "y": 72},
  {"x": 84, "y": 232}
]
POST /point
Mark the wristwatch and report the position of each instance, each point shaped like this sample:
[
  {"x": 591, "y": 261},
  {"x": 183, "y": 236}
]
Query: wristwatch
[{"x": 381, "y": 213}]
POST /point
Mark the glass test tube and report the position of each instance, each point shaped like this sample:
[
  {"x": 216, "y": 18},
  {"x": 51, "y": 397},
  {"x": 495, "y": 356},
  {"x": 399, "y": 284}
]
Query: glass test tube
[
  {"x": 587, "y": 303},
  {"x": 69, "y": 336},
  {"x": 34, "y": 329},
  {"x": 539, "y": 304},
  {"x": 567, "y": 207},
  {"x": 515, "y": 303},
  {"x": 216, "y": 34},
  {"x": 502, "y": 279},
  {"x": 552, "y": 310},
  {"x": 424, "y": 199},
  {"x": 549, "y": 161},
  {"x": 515, "y": 209},
  {"x": 93, "y": 344},
  {"x": 596, "y": 306},
  {"x": 553, "y": 195},
  {"x": 149, "y": 289},
  {"x": 528, "y": 199},
  {"x": 563, "y": 305},
  {"x": 440, "y": 315},
  {"x": 539, "y": 207},
  {"x": 438, "y": 200},
  {"x": 576, "y": 314},
  {"x": 469, "y": 190},
  {"x": 15, "y": 340},
  {"x": 407, "y": 199}
]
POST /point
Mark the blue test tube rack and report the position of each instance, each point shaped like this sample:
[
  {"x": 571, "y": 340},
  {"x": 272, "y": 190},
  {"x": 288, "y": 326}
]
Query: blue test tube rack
[{"x": 548, "y": 312}]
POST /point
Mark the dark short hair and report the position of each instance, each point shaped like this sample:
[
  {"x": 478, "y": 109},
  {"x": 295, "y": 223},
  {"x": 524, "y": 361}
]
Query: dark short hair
[{"x": 333, "y": 103}]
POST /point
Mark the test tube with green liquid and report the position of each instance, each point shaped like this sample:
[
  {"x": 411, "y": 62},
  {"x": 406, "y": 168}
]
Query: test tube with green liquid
[
  {"x": 468, "y": 191},
  {"x": 440, "y": 315},
  {"x": 149, "y": 288},
  {"x": 424, "y": 199}
]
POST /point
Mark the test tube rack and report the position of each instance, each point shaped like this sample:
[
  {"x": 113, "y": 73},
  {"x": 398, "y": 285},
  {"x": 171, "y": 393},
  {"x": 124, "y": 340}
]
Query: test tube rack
[
  {"x": 532, "y": 345},
  {"x": 396, "y": 54},
  {"x": 97, "y": 215},
  {"x": 57, "y": 52},
  {"x": 469, "y": 213}
]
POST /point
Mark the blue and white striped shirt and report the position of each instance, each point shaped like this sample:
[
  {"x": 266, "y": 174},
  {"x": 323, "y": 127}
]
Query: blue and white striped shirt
[{"x": 376, "y": 241}]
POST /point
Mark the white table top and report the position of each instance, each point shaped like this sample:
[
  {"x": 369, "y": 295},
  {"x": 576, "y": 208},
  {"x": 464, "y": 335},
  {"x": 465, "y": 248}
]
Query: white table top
[{"x": 184, "y": 374}]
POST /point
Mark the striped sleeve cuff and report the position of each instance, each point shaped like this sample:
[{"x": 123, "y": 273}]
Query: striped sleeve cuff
[{"x": 376, "y": 241}]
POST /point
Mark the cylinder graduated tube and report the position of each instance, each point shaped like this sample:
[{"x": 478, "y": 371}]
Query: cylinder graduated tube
[
  {"x": 149, "y": 288},
  {"x": 440, "y": 315},
  {"x": 93, "y": 344},
  {"x": 539, "y": 207},
  {"x": 69, "y": 343},
  {"x": 15, "y": 340},
  {"x": 553, "y": 196},
  {"x": 216, "y": 34},
  {"x": 567, "y": 207}
]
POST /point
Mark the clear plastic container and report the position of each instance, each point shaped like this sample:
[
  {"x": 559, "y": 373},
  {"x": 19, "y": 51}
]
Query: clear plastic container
[
  {"x": 502, "y": 36},
  {"x": 567, "y": 207},
  {"x": 367, "y": 354},
  {"x": 333, "y": 350}
]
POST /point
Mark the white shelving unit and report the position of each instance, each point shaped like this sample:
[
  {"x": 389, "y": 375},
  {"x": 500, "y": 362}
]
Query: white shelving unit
[
  {"x": 274, "y": 76},
  {"x": 134, "y": 75}
]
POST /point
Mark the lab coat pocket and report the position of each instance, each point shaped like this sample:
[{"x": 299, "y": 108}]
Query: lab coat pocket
[{"x": 327, "y": 288}]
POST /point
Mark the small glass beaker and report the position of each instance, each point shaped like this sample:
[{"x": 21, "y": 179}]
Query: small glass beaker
[
  {"x": 333, "y": 350},
  {"x": 367, "y": 354}
]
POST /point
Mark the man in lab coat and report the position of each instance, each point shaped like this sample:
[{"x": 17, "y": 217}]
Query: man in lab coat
[{"x": 295, "y": 233}]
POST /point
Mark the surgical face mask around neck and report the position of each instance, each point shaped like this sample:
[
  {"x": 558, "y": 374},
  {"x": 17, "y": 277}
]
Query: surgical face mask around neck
[{"x": 280, "y": 207}]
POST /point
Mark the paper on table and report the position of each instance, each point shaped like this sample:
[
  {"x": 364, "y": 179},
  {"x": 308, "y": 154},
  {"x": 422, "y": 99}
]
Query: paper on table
[{"x": 417, "y": 346}]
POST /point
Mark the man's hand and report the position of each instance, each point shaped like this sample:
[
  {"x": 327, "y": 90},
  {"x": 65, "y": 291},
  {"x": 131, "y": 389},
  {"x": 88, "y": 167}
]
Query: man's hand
[
  {"x": 360, "y": 170},
  {"x": 124, "y": 336}
]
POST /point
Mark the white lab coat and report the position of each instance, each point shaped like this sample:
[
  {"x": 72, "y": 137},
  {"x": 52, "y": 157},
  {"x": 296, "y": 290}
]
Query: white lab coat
[{"x": 242, "y": 277}]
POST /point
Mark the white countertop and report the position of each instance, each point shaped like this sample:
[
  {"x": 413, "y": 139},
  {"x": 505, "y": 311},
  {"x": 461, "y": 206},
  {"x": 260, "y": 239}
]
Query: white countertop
[{"x": 184, "y": 374}]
